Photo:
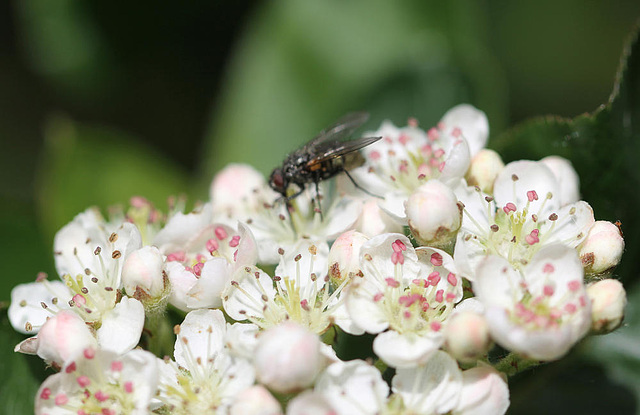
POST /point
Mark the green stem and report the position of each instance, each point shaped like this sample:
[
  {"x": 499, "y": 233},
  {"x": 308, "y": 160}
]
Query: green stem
[{"x": 513, "y": 364}]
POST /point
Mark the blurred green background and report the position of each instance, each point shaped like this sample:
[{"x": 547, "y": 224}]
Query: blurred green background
[{"x": 102, "y": 100}]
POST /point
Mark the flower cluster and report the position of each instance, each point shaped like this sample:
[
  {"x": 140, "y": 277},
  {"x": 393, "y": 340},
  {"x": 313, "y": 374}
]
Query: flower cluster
[{"x": 458, "y": 252}]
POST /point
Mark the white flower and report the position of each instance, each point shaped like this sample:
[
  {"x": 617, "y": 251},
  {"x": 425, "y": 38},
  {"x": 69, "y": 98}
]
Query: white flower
[
  {"x": 352, "y": 388},
  {"x": 433, "y": 388},
  {"x": 89, "y": 255},
  {"x": 204, "y": 377},
  {"x": 300, "y": 291},
  {"x": 523, "y": 216},
  {"x": 409, "y": 293},
  {"x": 101, "y": 382},
  {"x": 408, "y": 157},
  {"x": 540, "y": 312},
  {"x": 201, "y": 257}
]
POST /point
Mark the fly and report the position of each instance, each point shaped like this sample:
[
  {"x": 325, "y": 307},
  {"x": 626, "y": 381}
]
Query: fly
[{"x": 325, "y": 156}]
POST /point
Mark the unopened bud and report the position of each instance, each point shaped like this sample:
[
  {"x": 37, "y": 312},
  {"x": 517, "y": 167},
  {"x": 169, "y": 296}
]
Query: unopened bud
[
  {"x": 288, "y": 358},
  {"x": 255, "y": 400},
  {"x": 344, "y": 256},
  {"x": 467, "y": 336},
  {"x": 310, "y": 403},
  {"x": 434, "y": 214},
  {"x": 566, "y": 177},
  {"x": 602, "y": 249},
  {"x": 483, "y": 170},
  {"x": 233, "y": 185},
  {"x": 63, "y": 336},
  {"x": 143, "y": 271},
  {"x": 608, "y": 299},
  {"x": 484, "y": 391},
  {"x": 374, "y": 221}
]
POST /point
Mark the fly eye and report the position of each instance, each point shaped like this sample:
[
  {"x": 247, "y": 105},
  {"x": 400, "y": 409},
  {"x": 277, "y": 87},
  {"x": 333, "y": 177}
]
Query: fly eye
[{"x": 276, "y": 180}]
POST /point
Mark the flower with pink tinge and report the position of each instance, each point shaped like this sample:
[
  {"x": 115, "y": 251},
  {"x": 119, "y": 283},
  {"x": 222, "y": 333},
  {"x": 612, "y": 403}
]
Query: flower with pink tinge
[
  {"x": 204, "y": 377},
  {"x": 101, "y": 382},
  {"x": 405, "y": 297},
  {"x": 405, "y": 158},
  {"x": 201, "y": 257},
  {"x": 300, "y": 291},
  {"x": 539, "y": 312},
  {"x": 523, "y": 216}
]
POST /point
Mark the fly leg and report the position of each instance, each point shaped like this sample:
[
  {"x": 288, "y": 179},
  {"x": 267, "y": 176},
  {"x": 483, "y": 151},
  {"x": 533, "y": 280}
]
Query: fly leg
[{"x": 360, "y": 187}]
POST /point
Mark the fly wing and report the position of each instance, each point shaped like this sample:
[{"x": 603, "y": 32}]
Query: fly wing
[
  {"x": 328, "y": 150},
  {"x": 342, "y": 129}
]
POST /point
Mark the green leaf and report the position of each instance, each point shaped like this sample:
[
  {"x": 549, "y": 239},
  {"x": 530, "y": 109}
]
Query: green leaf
[
  {"x": 87, "y": 166},
  {"x": 603, "y": 147}
]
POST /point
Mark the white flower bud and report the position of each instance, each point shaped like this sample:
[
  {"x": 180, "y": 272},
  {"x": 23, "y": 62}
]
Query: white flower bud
[
  {"x": 485, "y": 167},
  {"x": 467, "y": 336},
  {"x": 344, "y": 256},
  {"x": 608, "y": 299},
  {"x": 255, "y": 400},
  {"x": 434, "y": 214},
  {"x": 484, "y": 391},
  {"x": 142, "y": 274},
  {"x": 63, "y": 337},
  {"x": 288, "y": 358},
  {"x": 374, "y": 221},
  {"x": 310, "y": 403},
  {"x": 567, "y": 178},
  {"x": 602, "y": 249}
]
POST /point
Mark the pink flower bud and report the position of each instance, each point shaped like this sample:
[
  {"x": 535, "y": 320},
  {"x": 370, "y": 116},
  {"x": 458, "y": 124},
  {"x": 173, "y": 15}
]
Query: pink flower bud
[
  {"x": 288, "y": 358},
  {"x": 234, "y": 183},
  {"x": 434, "y": 214},
  {"x": 602, "y": 249},
  {"x": 467, "y": 336},
  {"x": 344, "y": 256},
  {"x": 310, "y": 403},
  {"x": 608, "y": 299},
  {"x": 255, "y": 400},
  {"x": 63, "y": 337},
  {"x": 485, "y": 167},
  {"x": 142, "y": 274}
]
